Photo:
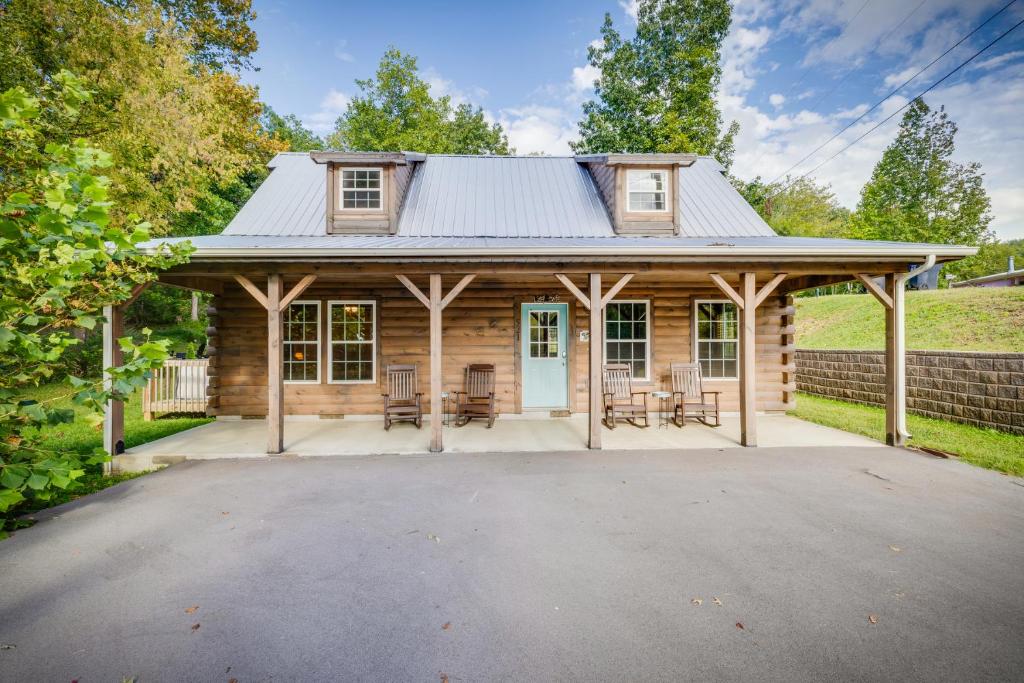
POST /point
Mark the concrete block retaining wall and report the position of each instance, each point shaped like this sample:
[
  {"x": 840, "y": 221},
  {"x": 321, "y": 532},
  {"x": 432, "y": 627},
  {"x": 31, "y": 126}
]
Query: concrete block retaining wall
[{"x": 981, "y": 389}]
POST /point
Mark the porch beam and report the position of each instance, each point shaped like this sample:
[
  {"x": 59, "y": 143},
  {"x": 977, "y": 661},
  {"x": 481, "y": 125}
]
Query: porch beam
[
  {"x": 456, "y": 290},
  {"x": 411, "y": 286},
  {"x": 113, "y": 420},
  {"x": 435, "y": 306},
  {"x": 748, "y": 354},
  {"x": 275, "y": 362},
  {"x": 596, "y": 356},
  {"x": 137, "y": 290},
  {"x": 616, "y": 288},
  {"x": 248, "y": 286},
  {"x": 766, "y": 291},
  {"x": 727, "y": 289},
  {"x": 876, "y": 291},
  {"x": 296, "y": 291},
  {"x": 583, "y": 298}
]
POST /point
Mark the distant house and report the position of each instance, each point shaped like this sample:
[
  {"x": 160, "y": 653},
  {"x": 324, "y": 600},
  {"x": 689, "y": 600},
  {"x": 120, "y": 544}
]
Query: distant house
[
  {"x": 342, "y": 263},
  {"x": 1011, "y": 278}
]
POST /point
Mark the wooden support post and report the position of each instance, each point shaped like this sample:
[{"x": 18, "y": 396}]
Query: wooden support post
[
  {"x": 436, "y": 443},
  {"x": 748, "y": 353},
  {"x": 895, "y": 363},
  {"x": 596, "y": 356},
  {"x": 113, "y": 421},
  {"x": 275, "y": 365}
]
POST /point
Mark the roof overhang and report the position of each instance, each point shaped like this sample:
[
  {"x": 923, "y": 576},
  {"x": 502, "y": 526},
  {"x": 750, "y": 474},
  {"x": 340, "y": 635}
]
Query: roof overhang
[
  {"x": 638, "y": 159},
  {"x": 397, "y": 158}
]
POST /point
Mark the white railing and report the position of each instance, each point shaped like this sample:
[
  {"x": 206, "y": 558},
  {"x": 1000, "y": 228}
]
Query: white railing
[{"x": 178, "y": 387}]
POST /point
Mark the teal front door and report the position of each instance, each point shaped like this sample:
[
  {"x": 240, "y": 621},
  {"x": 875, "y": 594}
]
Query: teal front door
[{"x": 544, "y": 353}]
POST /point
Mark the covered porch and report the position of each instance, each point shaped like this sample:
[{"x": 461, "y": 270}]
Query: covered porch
[
  {"x": 310, "y": 437},
  {"x": 443, "y": 313}
]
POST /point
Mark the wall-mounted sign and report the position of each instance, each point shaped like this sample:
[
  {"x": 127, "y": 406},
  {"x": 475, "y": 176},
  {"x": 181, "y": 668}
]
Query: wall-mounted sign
[
  {"x": 546, "y": 298},
  {"x": 584, "y": 335}
]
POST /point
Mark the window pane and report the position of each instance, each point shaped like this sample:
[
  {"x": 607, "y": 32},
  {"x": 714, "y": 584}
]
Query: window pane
[{"x": 353, "y": 329}]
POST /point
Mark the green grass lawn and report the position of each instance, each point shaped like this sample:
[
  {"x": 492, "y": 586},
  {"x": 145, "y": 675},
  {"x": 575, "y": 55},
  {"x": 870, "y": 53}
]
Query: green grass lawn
[
  {"x": 969, "y": 319},
  {"x": 80, "y": 437},
  {"x": 982, "y": 447}
]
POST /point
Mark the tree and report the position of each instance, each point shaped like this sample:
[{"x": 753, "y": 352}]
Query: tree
[
  {"x": 656, "y": 92},
  {"x": 63, "y": 260},
  {"x": 395, "y": 111},
  {"x": 917, "y": 193},
  {"x": 288, "y": 130},
  {"x": 176, "y": 127},
  {"x": 798, "y": 208}
]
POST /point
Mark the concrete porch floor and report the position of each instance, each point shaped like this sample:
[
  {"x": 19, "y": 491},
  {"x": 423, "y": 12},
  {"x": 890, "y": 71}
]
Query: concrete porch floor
[{"x": 304, "y": 436}]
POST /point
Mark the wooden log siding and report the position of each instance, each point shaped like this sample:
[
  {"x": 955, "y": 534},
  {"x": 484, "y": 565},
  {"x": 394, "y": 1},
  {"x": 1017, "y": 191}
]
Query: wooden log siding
[{"x": 480, "y": 326}]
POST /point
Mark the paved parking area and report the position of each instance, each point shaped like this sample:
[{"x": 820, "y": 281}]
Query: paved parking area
[{"x": 808, "y": 564}]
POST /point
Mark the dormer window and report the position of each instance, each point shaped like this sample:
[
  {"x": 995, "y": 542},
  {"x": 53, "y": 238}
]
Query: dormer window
[
  {"x": 647, "y": 191},
  {"x": 361, "y": 189}
]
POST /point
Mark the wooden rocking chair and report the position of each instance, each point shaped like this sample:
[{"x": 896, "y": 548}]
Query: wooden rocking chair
[
  {"x": 689, "y": 396},
  {"x": 477, "y": 396},
  {"x": 403, "y": 401},
  {"x": 619, "y": 397}
]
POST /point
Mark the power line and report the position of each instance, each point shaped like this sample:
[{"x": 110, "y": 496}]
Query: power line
[
  {"x": 909, "y": 102},
  {"x": 881, "y": 41},
  {"x": 876, "y": 105}
]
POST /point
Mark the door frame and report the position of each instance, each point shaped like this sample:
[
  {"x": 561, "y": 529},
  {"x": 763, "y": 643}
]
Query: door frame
[{"x": 570, "y": 348}]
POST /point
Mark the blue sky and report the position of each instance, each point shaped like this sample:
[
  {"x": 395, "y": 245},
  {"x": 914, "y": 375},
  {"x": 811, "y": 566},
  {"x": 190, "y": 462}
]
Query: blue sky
[{"x": 795, "y": 73}]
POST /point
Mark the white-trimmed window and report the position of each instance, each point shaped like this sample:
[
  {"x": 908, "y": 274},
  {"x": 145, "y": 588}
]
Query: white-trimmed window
[
  {"x": 718, "y": 337},
  {"x": 647, "y": 190},
  {"x": 627, "y": 333},
  {"x": 361, "y": 189},
  {"x": 301, "y": 338},
  {"x": 353, "y": 341}
]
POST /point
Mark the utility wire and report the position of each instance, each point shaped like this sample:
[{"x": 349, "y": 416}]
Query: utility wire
[
  {"x": 881, "y": 42},
  {"x": 909, "y": 102},
  {"x": 896, "y": 90}
]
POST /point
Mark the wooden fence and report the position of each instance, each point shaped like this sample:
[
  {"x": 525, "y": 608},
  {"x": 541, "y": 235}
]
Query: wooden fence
[{"x": 178, "y": 387}]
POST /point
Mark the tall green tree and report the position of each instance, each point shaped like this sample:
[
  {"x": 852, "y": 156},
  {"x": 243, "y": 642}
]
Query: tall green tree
[
  {"x": 395, "y": 111},
  {"x": 63, "y": 259},
  {"x": 288, "y": 130},
  {"x": 656, "y": 91},
  {"x": 800, "y": 208},
  {"x": 917, "y": 193},
  {"x": 176, "y": 126}
]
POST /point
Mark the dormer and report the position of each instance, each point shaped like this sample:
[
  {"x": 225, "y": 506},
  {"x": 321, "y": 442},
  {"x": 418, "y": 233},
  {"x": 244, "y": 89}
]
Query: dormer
[
  {"x": 365, "y": 190},
  {"x": 641, "y": 191}
]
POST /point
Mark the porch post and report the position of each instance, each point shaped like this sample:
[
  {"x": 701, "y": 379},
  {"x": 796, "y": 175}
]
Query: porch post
[
  {"x": 275, "y": 361},
  {"x": 895, "y": 362},
  {"x": 113, "y": 421},
  {"x": 436, "y": 444},
  {"x": 748, "y": 353},
  {"x": 596, "y": 354}
]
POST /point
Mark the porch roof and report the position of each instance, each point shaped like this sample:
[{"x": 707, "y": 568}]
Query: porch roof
[{"x": 217, "y": 247}]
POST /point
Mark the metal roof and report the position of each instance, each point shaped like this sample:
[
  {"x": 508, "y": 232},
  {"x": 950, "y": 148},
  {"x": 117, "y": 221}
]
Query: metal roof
[
  {"x": 493, "y": 196},
  {"x": 335, "y": 246},
  {"x": 709, "y": 206}
]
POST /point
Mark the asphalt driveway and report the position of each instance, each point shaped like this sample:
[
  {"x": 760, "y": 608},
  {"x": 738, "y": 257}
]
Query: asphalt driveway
[{"x": 808, "y": 564}]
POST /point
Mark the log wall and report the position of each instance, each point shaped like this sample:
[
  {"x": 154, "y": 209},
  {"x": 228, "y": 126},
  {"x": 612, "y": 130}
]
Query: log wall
[{"x": 480, "y": 326}]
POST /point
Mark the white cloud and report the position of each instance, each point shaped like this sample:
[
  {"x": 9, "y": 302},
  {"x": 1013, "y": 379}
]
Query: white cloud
[
  {"x": 341, "y": 53},
  {"x": 583, "y": 77},
  {"x": 441, "y": 86},
  {"x": 998, "y": 60},
  {"x": 631, "y": 8},
  {"x": 331, "y": 106},
  {"x": 900, "y": 77},
  {"x": 538, "y": 129},
  {"x": 777, "y": 99}
]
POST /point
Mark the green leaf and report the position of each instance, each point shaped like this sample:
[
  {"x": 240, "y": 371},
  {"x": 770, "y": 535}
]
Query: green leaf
[
  {"x": 9, "y": 497},
  {"x": 38, "y": 482},
  {"x": 13, "y": 476}
]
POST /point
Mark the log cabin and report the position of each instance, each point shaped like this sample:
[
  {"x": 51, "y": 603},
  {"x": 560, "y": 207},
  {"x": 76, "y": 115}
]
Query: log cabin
[{"x": 342, "y": 263}]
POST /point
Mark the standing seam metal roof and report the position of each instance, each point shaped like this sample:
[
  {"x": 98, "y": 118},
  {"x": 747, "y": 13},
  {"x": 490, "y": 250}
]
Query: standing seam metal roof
[{"x": 494, "y": 196}]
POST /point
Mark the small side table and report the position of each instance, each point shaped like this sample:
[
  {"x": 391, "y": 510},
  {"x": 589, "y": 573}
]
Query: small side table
[
  {"x": 446, "y": 408},
  {"x": 664, "y": 406}
]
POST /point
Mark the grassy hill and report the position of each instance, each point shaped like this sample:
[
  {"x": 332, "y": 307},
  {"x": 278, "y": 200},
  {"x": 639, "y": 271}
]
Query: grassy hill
[{"x": 969, "y": 319}]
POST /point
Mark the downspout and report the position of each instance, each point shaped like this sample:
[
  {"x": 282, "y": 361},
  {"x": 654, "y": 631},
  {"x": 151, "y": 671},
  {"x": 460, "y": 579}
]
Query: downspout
[{"x": 899, "y": 303}]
